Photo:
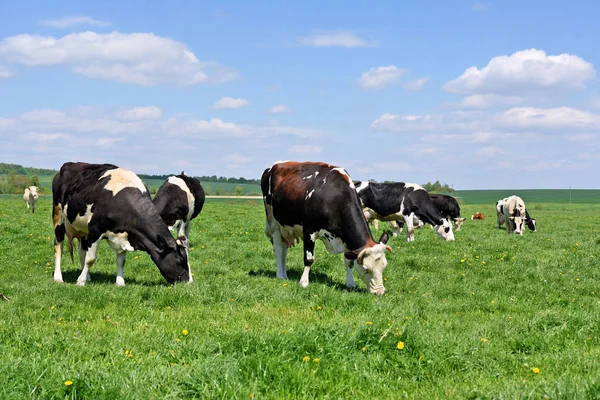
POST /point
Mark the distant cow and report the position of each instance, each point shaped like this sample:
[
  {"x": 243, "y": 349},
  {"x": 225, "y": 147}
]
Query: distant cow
[
  {"x": 514, "y": 214},
  {"x": 31, "y": 196},
  {"x": 449, "y": 207},
  {"x": 478, "y": 215},
  {"x": 179, "y": 200},
  {"x": 312, "y": 200},
  {"x": 102, "y": 201},
  {"x": 501, "y": 204},
  {"x": 403, "y": 201}
]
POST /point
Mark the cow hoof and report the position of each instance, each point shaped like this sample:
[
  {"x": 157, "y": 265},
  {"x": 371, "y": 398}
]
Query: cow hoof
[
  {"x": 303, "y": 283},
  {"x": 284, "y": 276},
  {"x": 81, "y": 283},
  {"x": 59, "y": 281},
  {"x": 120, "y": 281}
]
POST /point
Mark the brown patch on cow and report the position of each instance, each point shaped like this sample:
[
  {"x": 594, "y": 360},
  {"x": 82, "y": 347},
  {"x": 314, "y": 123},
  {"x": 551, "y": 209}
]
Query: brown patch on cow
[
  {"x": 56, "y": 215},
  {"x": 286, "y": 178}
]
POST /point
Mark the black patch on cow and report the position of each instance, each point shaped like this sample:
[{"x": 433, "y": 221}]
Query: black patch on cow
[
  {"x": 78, "y": 184},
  {"x": 447, "y": 205}
]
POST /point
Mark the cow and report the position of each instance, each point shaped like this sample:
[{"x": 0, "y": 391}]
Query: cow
[
  {"x": 409, "y": 201},
  {"x": 179, "y": 200},
  {"x": 500, "y": 204},
  {"x": 514, "y": 214},
  {"x": 449, "y": 207},
  {"x": 478, "y": 215},
  {"x": 314, "y": 200},
  {"x": 102, "y": 201},
  {"x": 31, "y": 196}
]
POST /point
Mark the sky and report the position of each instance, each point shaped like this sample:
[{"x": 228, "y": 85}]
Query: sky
[{"x": 475, "y": 94}]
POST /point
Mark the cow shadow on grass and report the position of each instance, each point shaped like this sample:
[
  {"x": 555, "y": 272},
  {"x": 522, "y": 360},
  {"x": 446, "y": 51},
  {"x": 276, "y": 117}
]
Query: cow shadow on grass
[
  {"x": 71, "y": 276},
  {"x": 315, "y": 277}
]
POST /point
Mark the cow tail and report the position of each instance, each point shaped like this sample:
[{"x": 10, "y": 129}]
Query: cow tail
[{"x": 70, "y": 248}]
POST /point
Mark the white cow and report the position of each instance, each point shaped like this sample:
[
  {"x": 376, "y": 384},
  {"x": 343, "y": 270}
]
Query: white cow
[
  {"x": 501, "y": 205},
  {"x": 31, "y": 196}
]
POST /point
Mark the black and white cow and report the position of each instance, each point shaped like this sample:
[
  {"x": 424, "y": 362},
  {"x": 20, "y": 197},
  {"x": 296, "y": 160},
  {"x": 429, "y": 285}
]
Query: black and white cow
[
  {"x": 102, "y": 201},
  {"x": 514, "y": 214},
  {"x": 312, "y": 200},
  {"x": 501, "y": 204},
  {"x": 449, "y": 208},
  {"x": 31, "y": 197},
  {"x": 179, "y": 200},
  {"x": 403, "y": 201}
]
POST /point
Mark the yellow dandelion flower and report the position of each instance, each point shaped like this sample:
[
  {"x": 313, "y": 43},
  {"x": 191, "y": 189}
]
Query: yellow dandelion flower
[
  {"x": 284, "y": 285},
  {"x": 177, "y": 340},
  {"x": 316, "y": 360},
  {"x": 369, "y": 323},
  {"x": 400, "y": 345},
  {"x": 306, "y": 359},
  {"x": 185, "y": 332},
  {"x": 364, "y": 349},
  {"x": 535, "y": 370},
  {"x": 484, "y": 340},
  {"x": 319, "y": 307},
  {"x": 68, "y": 383}
]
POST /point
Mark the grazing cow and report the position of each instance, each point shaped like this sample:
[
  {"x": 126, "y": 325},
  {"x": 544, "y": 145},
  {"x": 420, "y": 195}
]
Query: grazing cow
[
  {"x": 500, "y": 204},
  {"x": 179, "y": 200},
  {"x": 478, "y": 215},
  {"x": 31, "y": 196},
  {"x": 409, "y": 201},
  {"x": 102, "y": 201},
  {"x": 530, "y": 222},
  {"x": 449, "y": 207},
  {"x": 313, "y": 200},
  {"x": 514, "y": 214}
]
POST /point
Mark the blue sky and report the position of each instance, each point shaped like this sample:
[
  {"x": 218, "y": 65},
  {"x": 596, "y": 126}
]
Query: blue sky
[{"x": 480, "y": 95}]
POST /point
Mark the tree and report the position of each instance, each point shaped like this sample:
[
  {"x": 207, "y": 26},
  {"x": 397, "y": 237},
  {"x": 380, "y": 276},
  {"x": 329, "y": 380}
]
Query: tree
[
  {"x": 239, "y": 191},
  {"x": 35, "y": 180}
]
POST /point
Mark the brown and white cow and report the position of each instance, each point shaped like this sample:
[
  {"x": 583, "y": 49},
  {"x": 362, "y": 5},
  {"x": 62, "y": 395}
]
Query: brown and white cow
[
  {"x": 313, "y": 200},
  {"x": 31, "y": 196},
  {"x": 478, "y": 215},
  {"x": 92, "y": 202}
]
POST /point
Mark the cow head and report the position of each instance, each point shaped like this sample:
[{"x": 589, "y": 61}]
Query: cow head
[
  {"x": 458, "y": 223},
  {"x": 530, "y": 222},
  {"x": 444, "y": 230},
  {"x": 370, "y": 263},
  {"x": 518, "y": 222},
  {"x": 172, "y": 259}
]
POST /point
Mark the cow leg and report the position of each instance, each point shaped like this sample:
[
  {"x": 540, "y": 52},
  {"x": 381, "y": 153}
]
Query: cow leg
[
  {"x": 120, "y": 267},
  {"x": 181, "y": 228},
  {"x": 410, "y": 230},
  {"x": 82, "y": 253},
  {"x": 309, "y": 257},
  {"x": 32, "y": 208},
  {"x": 280, "y": 249},
  {"x": 396, "y": 227},
  {"x": 188, "y": 224},
  {"x": 350, "y": 283},
  {"x": 90, "y": 259},
  {"x": 27, "y": 204},
  {"x": 376, "y": 223},
  {"x": 58, "y": 248}
]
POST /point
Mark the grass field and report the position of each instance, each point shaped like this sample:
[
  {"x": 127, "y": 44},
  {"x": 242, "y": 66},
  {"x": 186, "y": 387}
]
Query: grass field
[{"x": 486, "y": 316}]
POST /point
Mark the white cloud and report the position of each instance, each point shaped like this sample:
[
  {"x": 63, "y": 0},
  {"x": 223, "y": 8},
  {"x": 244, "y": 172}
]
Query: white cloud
[
  {"x": 306, "y": 149},
  {"x": 450, "y": 122},
  {"x": 490, "y": 151},
  {"x": 237, "y": 159},
  {"x": 379, "y": 77},
  {"x": 333, "y": 38},
  {"x": 415, "y": 84},
  {"x": 280, "y": 108},
  {"x": 486, "y": 100},
  {"x": 138, "y": 58},
  {"x": 526, "y": 70},
  {"x": 5, "y": 72},
  {"x": 108, "y": 141},
  {"x": 550, "y": 118},
  {"x": 230, "y": 103},
  {"x": 544, "y": 165},
  {"x": 589, "y": 155},
  {"x": 45, "y": 137},
  {"x": 138, "y": 113},
  {"x": 66, "y": 22}
]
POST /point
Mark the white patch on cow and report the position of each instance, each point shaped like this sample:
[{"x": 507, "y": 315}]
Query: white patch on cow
[
  {"x": 78, "y": 228},
  {"x": 333, "y": 244},
  {"x": 316, "y": 173},
  {"x": 343, "y": 172},
  {"x": 362, "y": 186},
  {"x": 190, "y": 197},
  {"x": 309, "y": 194},
  {"x": 280, "y": 162},
  {"x": 308, "y": 176},
  {"x": 445, "y": 230},
  {"x": 324, "y": 180},
  {"x": 310, "y": 256},
  {"x": 120, "y": 179},
  {"x": 118, "y": 241}
]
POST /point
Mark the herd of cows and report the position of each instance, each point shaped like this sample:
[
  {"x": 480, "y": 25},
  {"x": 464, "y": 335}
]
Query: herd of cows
[{"x": 304, "y": 201}]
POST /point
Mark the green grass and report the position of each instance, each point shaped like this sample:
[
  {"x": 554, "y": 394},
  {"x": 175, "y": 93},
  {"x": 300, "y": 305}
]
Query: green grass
[{"x": 476, "y": 315}]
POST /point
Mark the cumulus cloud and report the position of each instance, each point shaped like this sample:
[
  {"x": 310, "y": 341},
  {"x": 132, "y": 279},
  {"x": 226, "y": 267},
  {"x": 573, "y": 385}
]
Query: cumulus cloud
[
  {"x": 415, "y": 84},
  {"x": 68, "y": 21},
  {"x": 487, "y": 100},
  {"x": 108, "y": 141},
  {"x": 306, "y": 149},
  {"x": 333, "y": 38},
  {"x": 137, "y": 58},
  {"x": 526, "y": 70},
  {"x": 45, "y": 137},
  {"x": 379, "y": 77},
  {"x": 280, "y": 108},
  {"x": 138, "y": 113},
  {"x": 230, "y": 103}
]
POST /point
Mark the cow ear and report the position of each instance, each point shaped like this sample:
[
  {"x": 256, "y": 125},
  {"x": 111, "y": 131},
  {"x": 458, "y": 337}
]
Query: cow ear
[
  {"x": 182, "y": 241},
  {"x": 351, "y": 255},
  {"x": 163, "y": 245},
  {"x": 384, "y": 238}
]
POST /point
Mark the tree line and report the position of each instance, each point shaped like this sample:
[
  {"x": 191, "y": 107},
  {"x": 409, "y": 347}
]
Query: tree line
[{"x": 206, "y": 178}]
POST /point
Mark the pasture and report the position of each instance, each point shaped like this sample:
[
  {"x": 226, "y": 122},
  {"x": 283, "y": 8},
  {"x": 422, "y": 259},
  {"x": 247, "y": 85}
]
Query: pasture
[{"x": 486, "y": 316}]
